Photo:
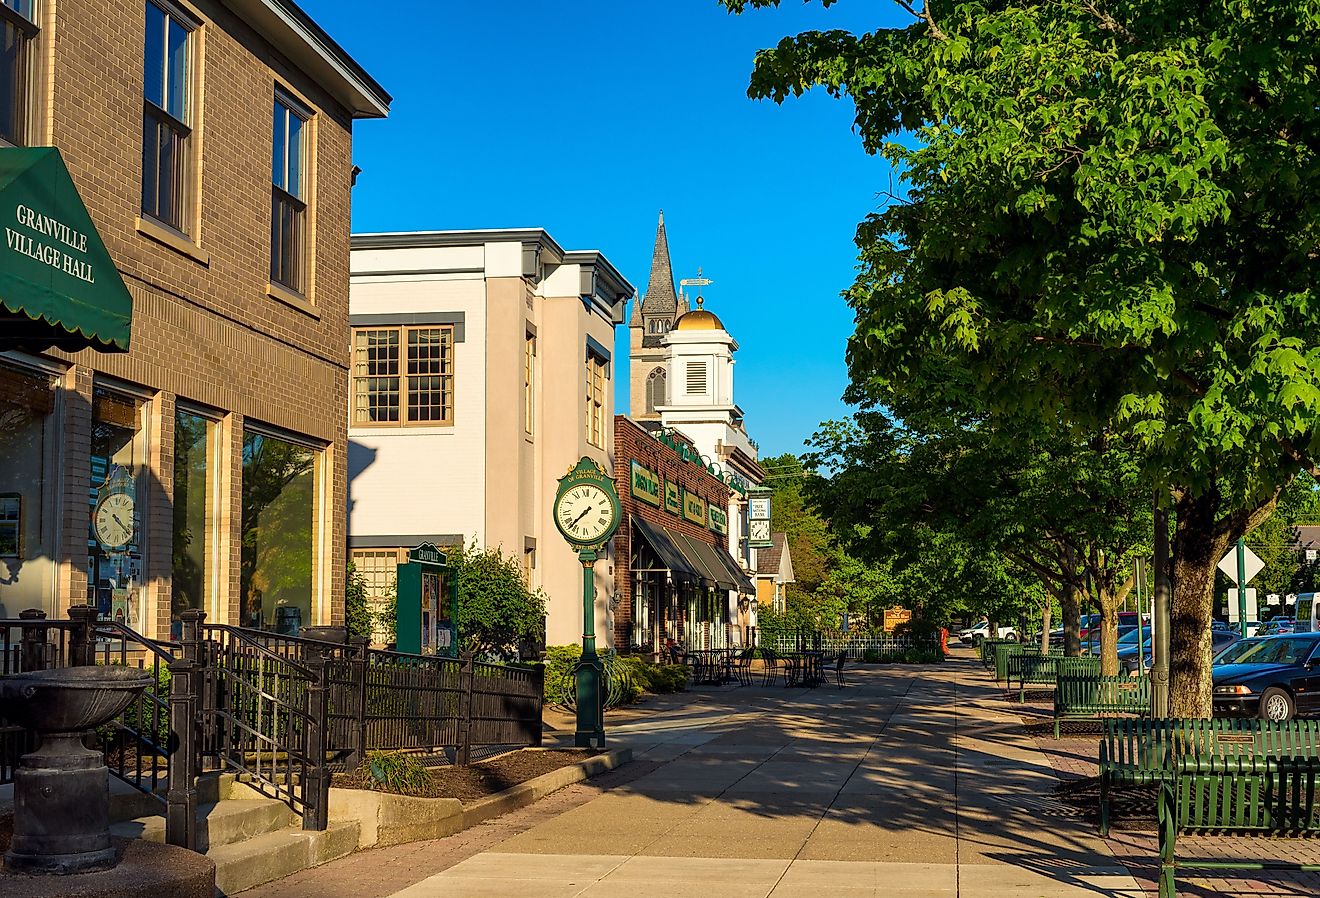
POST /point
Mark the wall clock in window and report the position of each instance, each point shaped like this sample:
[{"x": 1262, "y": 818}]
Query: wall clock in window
[{"x": 113, "y": 518}]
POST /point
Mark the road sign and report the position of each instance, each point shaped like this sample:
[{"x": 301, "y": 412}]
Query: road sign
[
  {"x": 1253, "y": 564},
  {"x": 1252, "y": 613}
]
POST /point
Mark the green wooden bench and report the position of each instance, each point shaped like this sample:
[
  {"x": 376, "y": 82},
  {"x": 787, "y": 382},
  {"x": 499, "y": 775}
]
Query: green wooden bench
[
  {"x": 1080, "y": 697},
  {"x": 987, "y": 650},
  {"x": 1272, "y": 797},
  {"x": 1043, "y": 670},
  {"x": 1006, "y": 650},
  {"x": 1143, "y": 752}
]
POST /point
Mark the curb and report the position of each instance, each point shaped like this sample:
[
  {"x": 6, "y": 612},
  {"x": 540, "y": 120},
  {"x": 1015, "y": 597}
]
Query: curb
[{"x": 539, "y": 787}]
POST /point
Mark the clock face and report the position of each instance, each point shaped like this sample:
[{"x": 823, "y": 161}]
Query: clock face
[
  {"x": 114, "y": 520},
  {"x": 759, "y": 531},
  {"x": 585, "y": 514}
]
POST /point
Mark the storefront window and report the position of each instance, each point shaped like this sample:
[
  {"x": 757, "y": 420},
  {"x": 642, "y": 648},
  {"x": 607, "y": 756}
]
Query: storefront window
[
  {"x": 192, "y": 512},
  {"x": 114, "y": 533},
  {"x": 277, "y": 563},
  {"x": 26, "y": 433}
]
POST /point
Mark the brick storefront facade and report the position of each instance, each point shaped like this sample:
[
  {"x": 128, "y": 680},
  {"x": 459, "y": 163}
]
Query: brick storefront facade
[
  {"x": 634, "y": 443},
  {"x": 211, "y": 334}
]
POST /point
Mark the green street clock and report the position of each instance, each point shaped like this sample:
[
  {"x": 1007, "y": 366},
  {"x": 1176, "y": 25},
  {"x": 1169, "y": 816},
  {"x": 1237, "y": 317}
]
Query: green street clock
[
  {"x": 587, "y": 513},
  {"x": 586, "y": 506}
]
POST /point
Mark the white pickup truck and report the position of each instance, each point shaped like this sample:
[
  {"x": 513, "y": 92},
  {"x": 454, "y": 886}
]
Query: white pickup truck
[{"x": 973, "y": 635}]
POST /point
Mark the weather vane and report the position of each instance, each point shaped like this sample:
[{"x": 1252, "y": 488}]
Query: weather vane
[{"x": 697, "y": 281}]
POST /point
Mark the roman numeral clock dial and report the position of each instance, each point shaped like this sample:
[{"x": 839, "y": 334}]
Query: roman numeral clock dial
[{"x": 585, "y": 514}]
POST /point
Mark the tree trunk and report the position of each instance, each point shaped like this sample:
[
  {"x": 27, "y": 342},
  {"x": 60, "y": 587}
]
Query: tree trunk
[
  {"x": 1045, "y": 627},
  {"x": 1198, "y": 544},
  {"x": 1108, "y": 632},
  {"x": 1070, "y": 605}
]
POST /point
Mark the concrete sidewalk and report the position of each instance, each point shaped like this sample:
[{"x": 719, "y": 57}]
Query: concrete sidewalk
[{"x": 912, "y": 781}]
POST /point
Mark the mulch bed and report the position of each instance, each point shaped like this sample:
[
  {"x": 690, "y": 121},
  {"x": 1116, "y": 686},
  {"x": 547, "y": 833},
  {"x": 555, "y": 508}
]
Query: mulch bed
[{"x": 479, "y": 780}]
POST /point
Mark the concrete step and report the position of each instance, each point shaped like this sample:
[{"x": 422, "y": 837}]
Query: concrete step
[
  {"x": 252, "y": 862},
  {"x": 218, "y": 824}
]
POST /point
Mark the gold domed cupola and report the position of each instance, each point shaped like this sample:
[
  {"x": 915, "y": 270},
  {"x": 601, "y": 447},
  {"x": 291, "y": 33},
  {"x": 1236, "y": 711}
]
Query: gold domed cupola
[{"x": 698, "y": 320}]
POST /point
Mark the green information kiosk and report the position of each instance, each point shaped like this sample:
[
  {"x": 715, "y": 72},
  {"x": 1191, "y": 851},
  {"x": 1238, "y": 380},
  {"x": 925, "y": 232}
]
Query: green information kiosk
[{"x": 427, "y": 605}]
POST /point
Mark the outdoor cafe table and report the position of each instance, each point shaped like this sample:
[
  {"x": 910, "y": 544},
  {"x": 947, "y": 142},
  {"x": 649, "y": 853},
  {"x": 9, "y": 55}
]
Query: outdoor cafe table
[
  {"x": 711, "y": 665},
  {"x": 803, "y": 668}
]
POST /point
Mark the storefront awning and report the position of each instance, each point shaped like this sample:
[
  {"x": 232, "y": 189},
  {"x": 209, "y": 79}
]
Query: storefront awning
[
  {"x": 741, "y": 577},
  {"x": 58, "y": 285},
  {"x": 703, "y": 558},
  {"x": 661, "y": 541}
]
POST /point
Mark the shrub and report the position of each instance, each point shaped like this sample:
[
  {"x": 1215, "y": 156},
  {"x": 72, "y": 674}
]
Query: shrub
[
  {"x": 393, "y": 771},
  {"x": 666, "y": 678},
  {"x": 559, "y": 661},
  {"x": 871, "y": 656},
  {"x": 358, "y": 617},
  {"x": 145, "y": 716}
]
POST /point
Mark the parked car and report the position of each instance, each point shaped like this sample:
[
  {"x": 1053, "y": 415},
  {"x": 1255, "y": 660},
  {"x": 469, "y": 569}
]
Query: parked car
[
  {"x": 1218, "y": 624},
  {"x": 973, "y": 635},
  {"x": 1275, "y": 626},
  {"x": 1127, "y": 651},
  {"x": 1270, "y": 677},
  {"x": 1089, "y": 630},
  {"x": 1085, "y": 622}
]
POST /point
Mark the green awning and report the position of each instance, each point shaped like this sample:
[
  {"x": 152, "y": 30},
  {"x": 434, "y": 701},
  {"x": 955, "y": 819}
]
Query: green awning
[{"x": 58, "y": 285}]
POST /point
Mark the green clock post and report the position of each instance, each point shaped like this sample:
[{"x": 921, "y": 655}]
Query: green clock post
[{"x": 587, "y": 513}]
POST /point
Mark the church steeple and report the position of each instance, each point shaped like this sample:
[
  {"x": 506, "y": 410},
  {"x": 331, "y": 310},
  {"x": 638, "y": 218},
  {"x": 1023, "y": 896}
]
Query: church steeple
[{"x": 661, "y": 301}]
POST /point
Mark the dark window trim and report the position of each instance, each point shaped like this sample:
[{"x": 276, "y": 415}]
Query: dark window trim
[{"x": 458, "y": 320}]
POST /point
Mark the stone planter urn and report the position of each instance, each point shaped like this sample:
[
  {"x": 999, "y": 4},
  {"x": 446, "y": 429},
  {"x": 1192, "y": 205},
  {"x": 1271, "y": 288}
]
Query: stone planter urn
[{"x": 62, "y": 790}]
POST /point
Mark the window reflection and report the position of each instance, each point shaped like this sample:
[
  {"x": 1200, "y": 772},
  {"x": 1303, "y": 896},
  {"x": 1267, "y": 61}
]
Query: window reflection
[
  {"x": 192, "y": 440},
  {"x": 277, "y": 558}
]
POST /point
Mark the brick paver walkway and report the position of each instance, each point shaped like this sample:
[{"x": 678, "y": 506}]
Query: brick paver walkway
[
  {"x": 1133, "y": 841},
  {"x": 913, "y": 782}
]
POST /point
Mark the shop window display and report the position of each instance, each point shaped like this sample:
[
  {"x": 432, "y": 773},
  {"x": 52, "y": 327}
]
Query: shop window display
[
  {"x": 26, "y": 433},
  {"x": 115, "y": 545}
]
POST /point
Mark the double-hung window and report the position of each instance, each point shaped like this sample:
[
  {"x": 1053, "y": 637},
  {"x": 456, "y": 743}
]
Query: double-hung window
[
  {"x": 595, "y": 410},
  {"x": 166, "y": 115},
  {"x": 17, "y": 43},
  {"x": 403, "y": 376},
  {"x": 288, "y": 196}
]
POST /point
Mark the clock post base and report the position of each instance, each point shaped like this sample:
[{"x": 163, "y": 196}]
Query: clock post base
[{"x": 590, "y": 703}]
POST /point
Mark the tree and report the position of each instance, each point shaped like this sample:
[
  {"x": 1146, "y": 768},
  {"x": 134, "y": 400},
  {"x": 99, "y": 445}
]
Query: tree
[
  {"x": 805, "y": 531},
  {"x": 1109, "y": 221},
  {"x": 1276, "y": 540},
  {"x": 1065, "y": 514},
  {"x": 497, "y": 612},
  {"x": 358, "y": 617}
]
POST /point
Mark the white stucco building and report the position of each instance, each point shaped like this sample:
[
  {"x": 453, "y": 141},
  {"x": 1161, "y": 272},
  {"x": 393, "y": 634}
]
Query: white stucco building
[{"x": 482, "y": 371}]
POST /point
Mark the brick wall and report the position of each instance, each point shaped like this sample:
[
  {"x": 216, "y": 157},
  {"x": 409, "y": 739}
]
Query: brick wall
[
  {"x": 631, "y": 442},
  {"x": 205, "y": 329}
]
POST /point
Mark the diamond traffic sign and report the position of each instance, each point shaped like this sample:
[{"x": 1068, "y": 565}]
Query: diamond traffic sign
[{"x": 1252, "y": 565}]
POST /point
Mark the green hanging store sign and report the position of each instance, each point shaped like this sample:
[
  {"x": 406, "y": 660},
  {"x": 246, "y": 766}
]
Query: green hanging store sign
[
  {"x": 58, "y": 285},
  {"x": 645, "y": 484}
]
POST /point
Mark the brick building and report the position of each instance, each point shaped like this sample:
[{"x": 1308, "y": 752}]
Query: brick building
[
  {"x": 673, "y": 577},
  {"x": 206, "y": 466}
]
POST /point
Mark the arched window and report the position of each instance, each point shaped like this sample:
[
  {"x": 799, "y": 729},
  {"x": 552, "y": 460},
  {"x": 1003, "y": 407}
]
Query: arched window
[{"x": 655, "y": 390}]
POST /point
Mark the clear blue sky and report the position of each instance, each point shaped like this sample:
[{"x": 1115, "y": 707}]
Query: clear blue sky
[{"x": 587, "y": 117}]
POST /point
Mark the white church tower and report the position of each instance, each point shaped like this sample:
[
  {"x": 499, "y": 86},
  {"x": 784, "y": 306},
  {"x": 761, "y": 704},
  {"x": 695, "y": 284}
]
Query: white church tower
[{"x": 700, "y": 375}]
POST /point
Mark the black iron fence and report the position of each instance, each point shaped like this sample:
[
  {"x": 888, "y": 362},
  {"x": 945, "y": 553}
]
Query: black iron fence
[{"x": 282, "y": 712}]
